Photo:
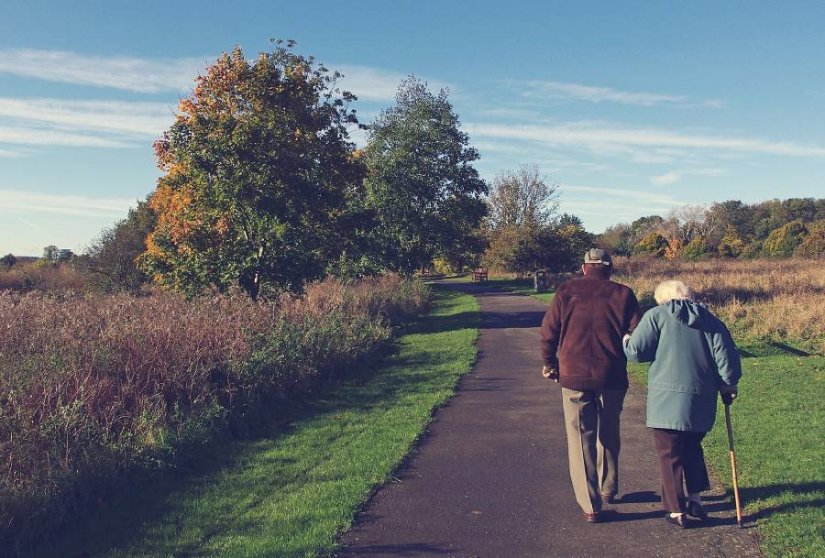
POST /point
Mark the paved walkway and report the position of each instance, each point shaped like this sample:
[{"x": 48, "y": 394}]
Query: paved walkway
[{"x": 490, "y": 479}]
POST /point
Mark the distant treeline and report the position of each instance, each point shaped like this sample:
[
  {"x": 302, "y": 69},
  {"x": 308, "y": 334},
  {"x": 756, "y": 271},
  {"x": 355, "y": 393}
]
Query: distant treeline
[{"x": 730, "y": 229}]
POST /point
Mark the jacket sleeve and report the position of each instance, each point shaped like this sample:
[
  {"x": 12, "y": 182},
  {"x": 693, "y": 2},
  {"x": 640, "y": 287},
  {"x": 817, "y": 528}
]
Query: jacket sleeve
[
  {"x": 551, "y": 333},
  {"x": 643, "y": 342},
  {"x": 634, "y": 313},
  {"x": 726, "y": 355}
]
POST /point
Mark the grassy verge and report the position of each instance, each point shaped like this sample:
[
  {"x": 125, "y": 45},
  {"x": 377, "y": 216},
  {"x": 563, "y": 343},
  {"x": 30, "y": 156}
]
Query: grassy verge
[
  {"x": 292, "y": 491},
  {"x": 779, "y": 436}
]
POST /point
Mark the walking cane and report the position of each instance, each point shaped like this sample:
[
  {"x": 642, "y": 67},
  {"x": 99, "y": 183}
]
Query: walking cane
[{"x": 733, "y": 467}]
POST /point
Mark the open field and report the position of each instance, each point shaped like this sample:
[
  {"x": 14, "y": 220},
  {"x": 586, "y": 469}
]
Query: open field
[
  {"x": 290, "y": 493},
  {"x": 776, "y": 311},
  {"x": 773, "y": 301}
]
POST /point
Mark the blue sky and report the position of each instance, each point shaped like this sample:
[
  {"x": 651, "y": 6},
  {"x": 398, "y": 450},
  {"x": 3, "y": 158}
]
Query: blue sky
[{"x": 633, "y": 108}]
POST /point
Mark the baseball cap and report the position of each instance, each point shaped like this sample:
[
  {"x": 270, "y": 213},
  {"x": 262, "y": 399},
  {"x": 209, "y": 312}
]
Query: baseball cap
[{"x": 597, "y": 256}]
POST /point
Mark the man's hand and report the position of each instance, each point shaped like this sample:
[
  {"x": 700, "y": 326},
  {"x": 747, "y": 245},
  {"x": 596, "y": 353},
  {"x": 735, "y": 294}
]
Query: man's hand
[
  {"x": 550, "y": 373},
  {"x": 728, "y": 394}
]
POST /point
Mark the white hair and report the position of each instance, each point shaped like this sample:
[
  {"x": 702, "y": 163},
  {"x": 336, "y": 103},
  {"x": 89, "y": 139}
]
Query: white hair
[{"x": 672, "y": 289}]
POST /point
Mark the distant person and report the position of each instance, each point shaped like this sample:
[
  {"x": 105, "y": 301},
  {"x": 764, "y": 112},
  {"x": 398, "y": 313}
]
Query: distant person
[
  {"x": 581, "y": 342},
  {"x": 693, "y": 358}
]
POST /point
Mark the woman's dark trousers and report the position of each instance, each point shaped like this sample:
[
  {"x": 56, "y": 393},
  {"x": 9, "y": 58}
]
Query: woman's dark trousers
[{"x": 680, "y": 457}]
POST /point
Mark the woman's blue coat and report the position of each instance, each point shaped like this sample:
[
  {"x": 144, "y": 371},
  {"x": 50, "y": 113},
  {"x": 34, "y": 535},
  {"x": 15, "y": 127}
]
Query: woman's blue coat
[{"x": 692, "y": 354}]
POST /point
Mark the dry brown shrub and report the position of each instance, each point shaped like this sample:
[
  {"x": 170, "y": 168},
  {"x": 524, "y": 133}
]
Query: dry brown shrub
[
  {"x": 93, "y": 384},
  {"x": 777, "y": 299},
  {"x": 42, "y": 276}
]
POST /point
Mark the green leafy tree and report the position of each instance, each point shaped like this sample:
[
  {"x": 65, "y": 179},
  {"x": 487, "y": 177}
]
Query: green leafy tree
[
  {"x": 734, "y": 214},
  {"x": 751, "y": 250},
  {"x": 557, "y": 247},
  {"x": 813, "y": 244},
  {"x": 573, "y": 242},
  {"x": 695, "y": 249},
  {"x": 652, "y": 244},
  {"x": 51, "y": 253},
  {"x": 731, "y": 245},
  {"x": 8, "y": 260},
  {"x": 616, "y": 239},
  {"x": 643, "y": 226},
  {"x": 113, "y": 256},
  {"x": 783, "y": 241},
  {"x": 258, "y": 176},
  {"x": 421, "y": 183}
]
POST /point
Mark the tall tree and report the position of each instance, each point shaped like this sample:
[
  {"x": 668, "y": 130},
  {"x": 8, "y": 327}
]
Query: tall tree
[
  {"x": 112, "y": 257},
  {"x": 522, "y": 198},
  {"x": 258, "y": 171},
  {"x": 421, "y": 183},
  {"x": 51, "y": 253}
]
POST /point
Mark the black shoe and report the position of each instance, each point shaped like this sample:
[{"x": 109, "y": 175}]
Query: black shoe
[
  {"x": 609, "y": 498},
  {"x": 679, "y": 520},
  {"x": 595, "y": 517},
  {"x": 696, "y": 510}
]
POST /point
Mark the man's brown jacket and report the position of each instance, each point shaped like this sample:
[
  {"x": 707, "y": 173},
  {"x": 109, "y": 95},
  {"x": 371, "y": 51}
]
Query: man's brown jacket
[{"x": 582, "y": 333}]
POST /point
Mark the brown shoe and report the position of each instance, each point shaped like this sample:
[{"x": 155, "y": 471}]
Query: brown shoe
[
  {"x": 595, "y": 517},
  {"x": 609, "y": 498}
]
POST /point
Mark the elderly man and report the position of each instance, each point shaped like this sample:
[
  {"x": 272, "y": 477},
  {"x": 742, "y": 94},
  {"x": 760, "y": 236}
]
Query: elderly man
[{"x": 581, "y": 342}]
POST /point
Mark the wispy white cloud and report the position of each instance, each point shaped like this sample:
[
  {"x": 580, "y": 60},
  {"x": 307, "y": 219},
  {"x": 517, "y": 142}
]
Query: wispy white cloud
[
  {"x": 671, "y": 177},
  {"x": 510, "y": 113},
  {"x": 711, "y": 171},
  {"x": 607, "y": 138},
  {"x": 33, "y": 136},
  {"x": 595, "y": 94},
  {"x": 9, "y": 154},
  {"x": 27, "y": 203},
  {"x": 144, "y": 119},
  {"x": 602, "y": 192},
  {"x": 370, "y": 84},
  {"x": 674, "y": 176},
  {"x": 378, "y": 85},
  {"x": 600, "y": 206},
  {"x": 132, "y": 74}
]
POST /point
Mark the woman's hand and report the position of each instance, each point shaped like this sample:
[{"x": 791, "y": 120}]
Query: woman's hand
[{"x": 728, "y": 393}]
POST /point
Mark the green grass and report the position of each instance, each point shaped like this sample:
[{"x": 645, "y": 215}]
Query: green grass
[
  {"x": 779, "y": 438},
  {"x": 292, "y": 491}
]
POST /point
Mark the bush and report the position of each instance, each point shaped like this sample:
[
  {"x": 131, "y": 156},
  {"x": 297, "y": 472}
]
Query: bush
[
  {"x": 92, "y": 386},
  {"x": 782, "y": 241},
  {"x": 813, "y": 244},
  {"x": 652, "y": 244},
  {"x": 695, "y": 249}
]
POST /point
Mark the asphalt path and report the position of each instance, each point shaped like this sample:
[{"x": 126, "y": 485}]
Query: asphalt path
[{"x": 489, "y": 478}]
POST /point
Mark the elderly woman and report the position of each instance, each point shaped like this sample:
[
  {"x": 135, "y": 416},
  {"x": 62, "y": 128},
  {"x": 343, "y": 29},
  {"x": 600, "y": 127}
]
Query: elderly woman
[{"x": 693, "y": 357}]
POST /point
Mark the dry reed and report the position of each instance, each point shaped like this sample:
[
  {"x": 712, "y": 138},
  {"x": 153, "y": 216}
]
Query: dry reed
[
  {"x": 783, "y": 300},
  {"x": 93, "y": 385}
]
